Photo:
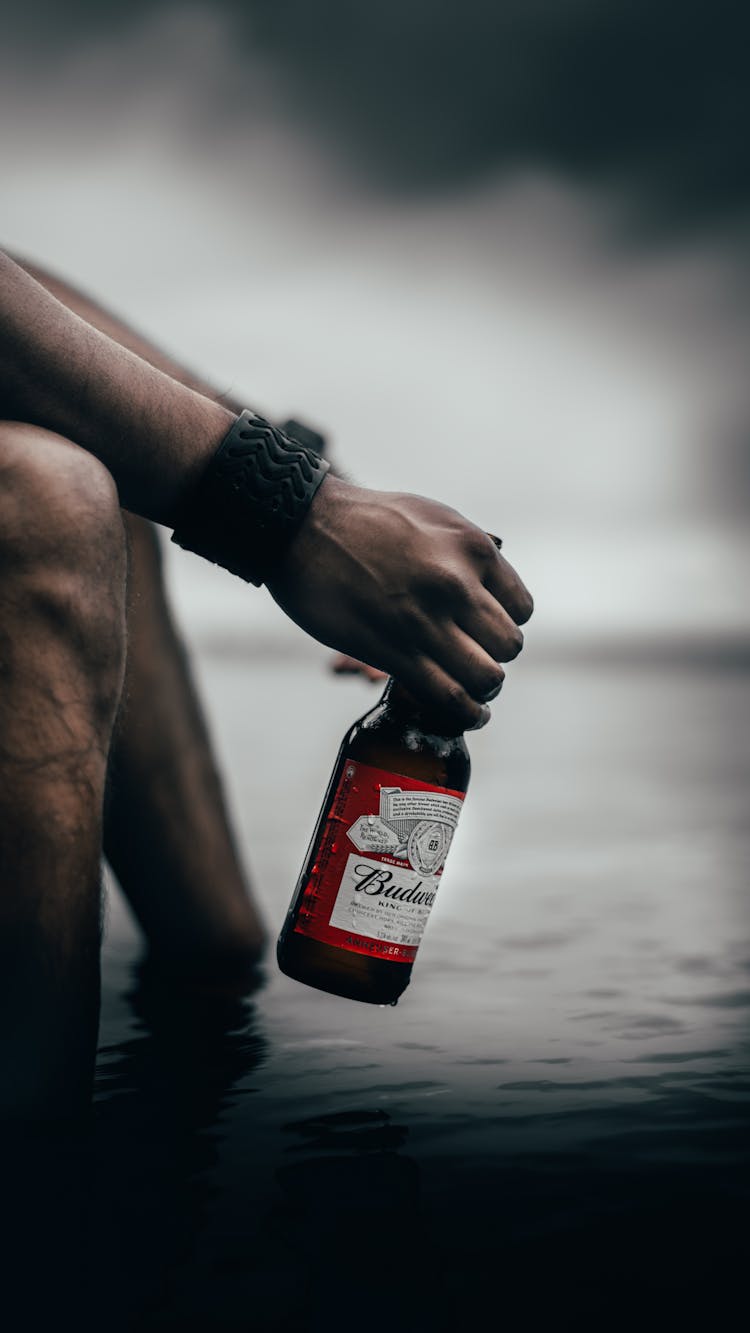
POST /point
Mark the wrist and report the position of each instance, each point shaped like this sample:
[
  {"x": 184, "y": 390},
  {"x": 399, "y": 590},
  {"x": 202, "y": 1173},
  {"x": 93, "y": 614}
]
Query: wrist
[
  {"x": 321, "y": 530},
  {"x": 248, "y": 503}
]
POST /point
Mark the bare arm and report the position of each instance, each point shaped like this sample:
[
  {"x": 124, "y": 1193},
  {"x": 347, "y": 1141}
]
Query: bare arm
[
  {"x": 154, "y": 434},
  {"x": 116, "y": 328},
  {"x": 123, "y": 333},
  {"x": 399, "y": 581},
  {"x": 120, "y": 332}
]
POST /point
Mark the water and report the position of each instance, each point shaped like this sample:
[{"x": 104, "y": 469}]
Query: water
[{"x": 551, "y": 1124}]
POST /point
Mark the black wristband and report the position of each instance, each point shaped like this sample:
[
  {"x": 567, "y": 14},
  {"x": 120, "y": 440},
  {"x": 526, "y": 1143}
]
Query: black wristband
[{"x": 251, "y": 499}]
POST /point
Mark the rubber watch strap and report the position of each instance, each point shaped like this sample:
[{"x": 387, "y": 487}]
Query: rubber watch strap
[{"x": 252, "y": 498}]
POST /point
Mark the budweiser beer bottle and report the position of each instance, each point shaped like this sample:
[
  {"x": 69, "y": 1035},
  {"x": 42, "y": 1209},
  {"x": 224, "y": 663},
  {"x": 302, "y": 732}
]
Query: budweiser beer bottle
[{"x": 376, "y": 857}]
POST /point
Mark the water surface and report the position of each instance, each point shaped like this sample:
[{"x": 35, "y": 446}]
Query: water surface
[{"x": 551, "y": 1126}]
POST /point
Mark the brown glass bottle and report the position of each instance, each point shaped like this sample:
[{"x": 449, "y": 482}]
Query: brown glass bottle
[{"x": 374, "y": 863}]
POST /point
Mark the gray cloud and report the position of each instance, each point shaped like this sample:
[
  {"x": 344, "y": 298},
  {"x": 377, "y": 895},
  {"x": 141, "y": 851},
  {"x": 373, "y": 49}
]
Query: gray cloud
[{"x": 423, "y": 96}]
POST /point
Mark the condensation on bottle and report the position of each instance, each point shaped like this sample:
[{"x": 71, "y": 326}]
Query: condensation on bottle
[{"x": 376, "y": 858}]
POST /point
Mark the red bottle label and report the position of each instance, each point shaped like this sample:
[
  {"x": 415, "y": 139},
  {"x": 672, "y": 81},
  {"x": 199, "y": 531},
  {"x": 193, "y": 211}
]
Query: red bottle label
[{"x": 378, "y": 863}]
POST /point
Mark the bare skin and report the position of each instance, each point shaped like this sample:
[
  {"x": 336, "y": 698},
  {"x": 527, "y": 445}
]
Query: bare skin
[
  {"x": 399, "y": 581},
  {"x": 100, "y": 318},
  {"x": 62, "y": 658},
  {"x": 115, "y": 328},
  {"x": 191, "y": 896},
  {"x": 156, "y": 436}
]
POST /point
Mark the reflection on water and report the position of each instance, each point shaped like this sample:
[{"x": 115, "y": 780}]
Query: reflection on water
[
  {"x": 162, "y": 1094},
  {"x": 354, "y": 1225},
  {"x": 551, "y": 1126}
]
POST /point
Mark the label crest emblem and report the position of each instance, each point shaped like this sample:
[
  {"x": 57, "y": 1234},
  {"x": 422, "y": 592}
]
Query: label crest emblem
[{"x": 428, "y": 845}]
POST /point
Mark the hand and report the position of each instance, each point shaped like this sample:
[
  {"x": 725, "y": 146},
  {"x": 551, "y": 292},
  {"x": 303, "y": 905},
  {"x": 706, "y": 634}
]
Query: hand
[{"x": 412, "y": 588}]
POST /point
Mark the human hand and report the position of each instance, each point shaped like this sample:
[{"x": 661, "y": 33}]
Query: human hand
[{"x": 409, "y": 586}]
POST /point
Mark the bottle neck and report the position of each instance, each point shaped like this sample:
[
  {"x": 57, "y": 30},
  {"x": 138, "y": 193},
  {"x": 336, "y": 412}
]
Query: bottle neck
[{"x": 405, "y": 708}]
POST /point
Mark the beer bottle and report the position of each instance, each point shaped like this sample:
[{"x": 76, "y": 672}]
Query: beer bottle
[{"x": 374, "y": 864}]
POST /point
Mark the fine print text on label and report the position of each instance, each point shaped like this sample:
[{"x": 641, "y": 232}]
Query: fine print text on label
[
  {"x": 377, "y": 865},
  {"x": 383, "y": 902}
]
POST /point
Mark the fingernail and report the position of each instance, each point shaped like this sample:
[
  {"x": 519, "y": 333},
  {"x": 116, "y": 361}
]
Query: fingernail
[
  {"x": 491, "y": 694},
  {"x": 482, "y": 720}
]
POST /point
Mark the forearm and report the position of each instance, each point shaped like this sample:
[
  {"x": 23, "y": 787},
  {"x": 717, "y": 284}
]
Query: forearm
[
  {"x": 154, "y": 433},
  {"x": 121, "y": 332}
]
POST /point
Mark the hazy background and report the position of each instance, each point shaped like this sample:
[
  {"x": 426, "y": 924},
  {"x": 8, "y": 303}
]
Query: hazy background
[{"x": 499, "y": 251}]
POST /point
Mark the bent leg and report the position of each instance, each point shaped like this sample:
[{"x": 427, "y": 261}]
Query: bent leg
[
  {"x": 167, "y": 834},
  {"x": 62, "y": 651}
]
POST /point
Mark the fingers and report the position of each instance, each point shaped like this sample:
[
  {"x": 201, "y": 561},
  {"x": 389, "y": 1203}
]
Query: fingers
[
  {"x": 464, "y": 660},
  {"x": 504, "y": 584},
  {"x": 488, "y": 624},
  {"x": 456, "y": 663},
  {"x": 457, "y": 658},
  {"x": 437, "y": 691}
]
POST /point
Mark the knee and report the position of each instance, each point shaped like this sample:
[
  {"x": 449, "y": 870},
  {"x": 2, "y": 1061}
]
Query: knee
[
  {"x": 57, "y": 502},
  {"x": 62, "y": 543}
]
